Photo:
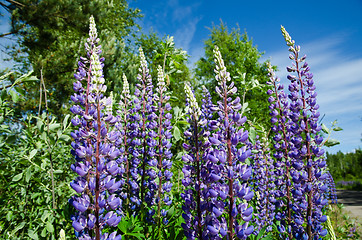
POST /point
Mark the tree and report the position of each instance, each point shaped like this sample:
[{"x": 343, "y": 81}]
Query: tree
[
  {"x": 50, "y": 37},
  {"x": 173, "y": 60},
  {"x": 242, "y": 61}
]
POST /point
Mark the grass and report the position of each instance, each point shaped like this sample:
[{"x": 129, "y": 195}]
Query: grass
[{"x": 344, "y": 226}]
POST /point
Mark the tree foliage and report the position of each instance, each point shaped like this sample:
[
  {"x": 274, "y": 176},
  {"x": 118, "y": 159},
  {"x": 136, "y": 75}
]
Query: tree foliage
[
  {"x": 51, "y": 36},
  {"x": 345, "y": 166},
  {"x": 242, "y": 60},
  {"x": 163, "y": 52}
]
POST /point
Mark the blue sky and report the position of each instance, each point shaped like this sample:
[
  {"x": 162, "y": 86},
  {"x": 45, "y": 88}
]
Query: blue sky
[{"x": 329, "y": 32}]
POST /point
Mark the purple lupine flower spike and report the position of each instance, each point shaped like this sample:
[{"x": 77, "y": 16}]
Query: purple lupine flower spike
[
  {"x": 309, "y": 179},
  {"x": 264, "y": 186},
  {"x": 163, "y": 152},
  {"x": 195, "y": 177},
  {"x": 125, "y": 128},
  {"x": 228, "y": 177},
  {"x": 297, "y": 141},
  {"x": 146, "y": 136},
  {"x": 331, "y": 194},
  {"x": 282, "y": 129},
  {"x": 94, "y": 148}
]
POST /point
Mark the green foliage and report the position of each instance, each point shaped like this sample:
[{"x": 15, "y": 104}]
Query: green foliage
[
  {"x": 330, "y": 142},
  {"x": 242, "y": 61},
  {"x": 51, "y": 35},
  {"x": 344, "y": 226},
  {"x": 163, "y": 52},
  {"x": 345, "y": 166},
  {"x": 26, "y": 210}
]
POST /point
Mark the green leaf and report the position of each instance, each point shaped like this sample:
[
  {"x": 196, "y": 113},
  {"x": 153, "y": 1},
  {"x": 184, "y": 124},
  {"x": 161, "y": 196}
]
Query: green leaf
[
  {"x": 331, "y": 142},
  {"x": 176, "y": 111},
  {"x": 32, "y": 153},
  {"x": 122, "y": 226},
  {"x": 137, "y": 235},
  {"x": 261, "y": 233},
  {"x": 32, "y": 234},
  {"x": 62, "y": 234},
  {"x": 252, "y": 135},
  {"x": 39, "y": 124},
  {"x": 4, "y": 127},
  {"x": 58, "y": 171},
  {"x": 176, "y": 133},
  {"x": 49, "y": 227},
  {"x": 20, "y": 226},
  {"x": 25, "y": 77},
  {"x": 9, "y": 216},
  {"x": 244, "y": 107},
  {"x": 44, "y": 232},
  {"x": 45, "y": 215},
  {"x": 182, "y": 122},
  {"x": 337, "y": 129},
  {"x": 17, "y": 177},
  {"x": 54, "y": 126},
  {"x": 14, "y": 96},
  {"x": 28, "y": 174},
  {"x": 325, "y": 129},
  {"x": 268, "y": 237},
  {"x": 65, "y": 138},
  {"x": 6, "y": 75},
  {"x": 65, "y": 121}
]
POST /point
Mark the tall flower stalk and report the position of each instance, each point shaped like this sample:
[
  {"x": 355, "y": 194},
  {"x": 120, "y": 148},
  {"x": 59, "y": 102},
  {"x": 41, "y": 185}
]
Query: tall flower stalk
[
  {"x": 279, "y": 112},
  {"x": 331, "y": 194},
  {"x": 130, "y": 188},
  {"x": 195, "y": 170},
  {"x": 146, "y": 135},
  {"x": 263, "y": 185},
  {"x": 94, "y": 149},
  {"x": 228, "y": 192},
  {"x": 297, "y": 135},
  {"x": 163, "y": 152}
]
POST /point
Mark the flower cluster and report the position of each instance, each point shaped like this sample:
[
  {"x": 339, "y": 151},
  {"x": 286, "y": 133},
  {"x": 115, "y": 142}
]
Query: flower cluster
[
  {"x": 195, "y": 168},
  {"x": 264, "y": 186},
  {"x": 163, "y": 152},
  {"x": 297, "y": 141},
  {"x": 216, "y": 166},
  {"x": 128, "y": 131},
  {"x": 146, "y": 136},
  {"x": 279, "y": 112},
  {"x": 124, "y": 162},
  {"x": 331, "y": 194},
  {"x": 229, "y": 190},
  {"x": 94, "y": 148}
]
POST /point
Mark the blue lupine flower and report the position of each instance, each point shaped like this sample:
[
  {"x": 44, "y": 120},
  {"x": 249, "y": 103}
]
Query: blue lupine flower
[{"x": 93, "y": 148}]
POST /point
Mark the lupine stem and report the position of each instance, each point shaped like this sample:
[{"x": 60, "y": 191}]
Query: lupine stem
[
  {"x": 97, "y": 190},
  {"x": 198, "y": 200},
  {"x": 144, "y": 144},
  {"x": 160, "y": 152},
  {"x": 128, "y": 192},
  {"x": 308, "y": 156},
  {"x": 287, "y": 165},
  {"x": 230, "y": 162}
]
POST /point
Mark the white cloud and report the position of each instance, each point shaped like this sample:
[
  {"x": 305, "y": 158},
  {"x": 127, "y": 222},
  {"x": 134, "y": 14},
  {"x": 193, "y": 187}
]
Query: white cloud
[{"x": 185, "y": 33}]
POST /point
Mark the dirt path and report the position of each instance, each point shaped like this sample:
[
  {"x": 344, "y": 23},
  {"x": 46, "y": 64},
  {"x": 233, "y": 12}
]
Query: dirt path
[{"x": 352, "y": 200}]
